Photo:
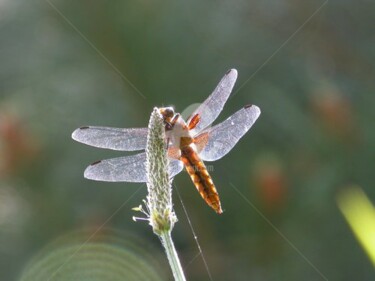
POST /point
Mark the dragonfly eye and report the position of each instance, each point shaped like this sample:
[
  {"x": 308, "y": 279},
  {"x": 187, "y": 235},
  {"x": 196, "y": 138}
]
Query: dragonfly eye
[{"x": 167, "y": 112}]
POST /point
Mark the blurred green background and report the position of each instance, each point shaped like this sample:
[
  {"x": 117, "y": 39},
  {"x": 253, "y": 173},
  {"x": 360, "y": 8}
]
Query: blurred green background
[{"x": 309, "y": 66}]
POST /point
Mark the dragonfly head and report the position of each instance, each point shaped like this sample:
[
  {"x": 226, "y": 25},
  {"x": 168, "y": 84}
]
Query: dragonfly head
[
  {"x": 169, "y": 117},
  {"x": 167, "y": 112}
]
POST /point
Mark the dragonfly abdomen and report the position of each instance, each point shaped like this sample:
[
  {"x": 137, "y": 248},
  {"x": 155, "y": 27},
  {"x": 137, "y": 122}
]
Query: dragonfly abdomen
[{"x": 201, "y": 178}]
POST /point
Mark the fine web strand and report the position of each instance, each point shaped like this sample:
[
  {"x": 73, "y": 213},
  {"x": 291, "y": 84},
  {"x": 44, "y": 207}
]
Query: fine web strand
[{"x": 200, "y": 252}]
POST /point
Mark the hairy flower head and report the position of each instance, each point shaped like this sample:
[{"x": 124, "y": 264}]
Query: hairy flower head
[{"x": 159, "y": 199}]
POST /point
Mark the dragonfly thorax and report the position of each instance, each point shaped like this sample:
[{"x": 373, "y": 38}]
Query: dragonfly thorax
[{"x": 178, "y": 135}]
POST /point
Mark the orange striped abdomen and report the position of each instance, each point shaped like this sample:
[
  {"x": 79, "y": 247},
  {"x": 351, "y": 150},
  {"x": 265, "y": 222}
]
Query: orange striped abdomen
[{"x": 201, "y": 178}]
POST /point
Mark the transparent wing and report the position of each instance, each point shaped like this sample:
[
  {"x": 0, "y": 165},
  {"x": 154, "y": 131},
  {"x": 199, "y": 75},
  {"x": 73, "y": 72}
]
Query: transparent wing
[
  {"x": 220, "y": 139},
  {"x": 112, "y": 138},
  {"x": 126, "y": 169},
  {"x": 210, "y": 109}
]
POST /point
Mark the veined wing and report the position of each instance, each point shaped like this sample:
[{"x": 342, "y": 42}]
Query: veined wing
[
  {"x": 126, "y": 169},
  {"x": 112, "y": 138},
  {"x": 220, "y": 139},
  {"x": 210, "y": 109}
]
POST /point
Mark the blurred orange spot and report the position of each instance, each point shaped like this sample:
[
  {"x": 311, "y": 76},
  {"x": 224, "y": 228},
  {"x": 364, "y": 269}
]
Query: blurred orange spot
[
  {"x": 334, "y": 112},
  {"x": 16, "y": 145},
  {"x": 271, "y": 183}
]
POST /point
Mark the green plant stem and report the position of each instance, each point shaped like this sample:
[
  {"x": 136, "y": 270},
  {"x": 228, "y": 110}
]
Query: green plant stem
[{"x": 174, "y": 262}]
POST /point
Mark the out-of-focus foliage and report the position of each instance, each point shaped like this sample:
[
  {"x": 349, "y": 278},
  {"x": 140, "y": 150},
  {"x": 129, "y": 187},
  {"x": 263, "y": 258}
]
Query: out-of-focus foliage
[{"x": 65, "y": 64}]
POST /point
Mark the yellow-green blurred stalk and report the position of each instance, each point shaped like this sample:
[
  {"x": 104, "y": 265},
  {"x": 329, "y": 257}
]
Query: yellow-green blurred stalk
[{"x": 360, "y": 215}]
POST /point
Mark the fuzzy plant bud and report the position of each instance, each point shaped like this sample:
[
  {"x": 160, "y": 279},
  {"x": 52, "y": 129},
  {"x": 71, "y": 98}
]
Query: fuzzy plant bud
[{"x": 159, "y": 184}]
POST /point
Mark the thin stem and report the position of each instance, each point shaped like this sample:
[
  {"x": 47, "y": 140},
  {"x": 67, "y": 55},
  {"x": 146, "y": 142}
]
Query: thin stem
[{"x": 173, "y": 259}]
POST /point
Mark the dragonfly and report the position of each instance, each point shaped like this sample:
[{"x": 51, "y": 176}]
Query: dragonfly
[{"x": 188, "y": 143}]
